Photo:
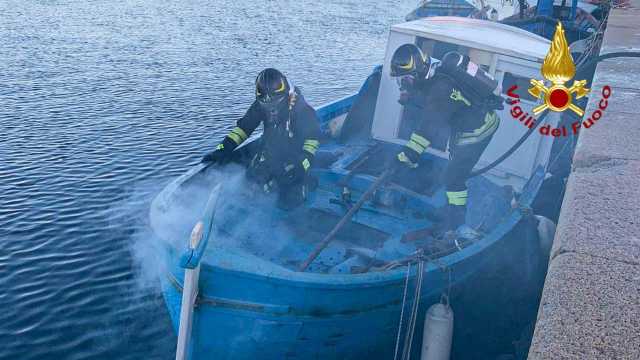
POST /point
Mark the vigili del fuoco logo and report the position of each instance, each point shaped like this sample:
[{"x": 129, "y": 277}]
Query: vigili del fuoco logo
[{"x": 558, "y": 68}]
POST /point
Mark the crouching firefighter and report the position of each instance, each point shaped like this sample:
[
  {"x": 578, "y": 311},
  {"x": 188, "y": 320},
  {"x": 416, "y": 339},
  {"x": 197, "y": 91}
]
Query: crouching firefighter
[
  {"x": 455, "y": 93},
  {"x": 288, "y": 144}
]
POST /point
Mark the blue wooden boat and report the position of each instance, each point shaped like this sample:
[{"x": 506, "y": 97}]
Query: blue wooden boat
[{"x": 251, "y": 301}]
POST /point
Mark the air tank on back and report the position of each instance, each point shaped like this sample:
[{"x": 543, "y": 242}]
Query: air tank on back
[{"x": 473, "y": 80}]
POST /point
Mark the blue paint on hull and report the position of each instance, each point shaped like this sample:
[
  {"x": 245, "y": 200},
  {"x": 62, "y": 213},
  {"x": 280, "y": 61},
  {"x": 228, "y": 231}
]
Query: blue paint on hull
[
  {"x": 249, "y": 309},
  {"x": 314, "y": 320}
]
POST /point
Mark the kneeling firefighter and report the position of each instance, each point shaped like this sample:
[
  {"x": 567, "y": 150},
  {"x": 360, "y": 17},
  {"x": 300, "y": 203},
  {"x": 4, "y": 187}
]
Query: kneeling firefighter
[
  {"x": 454, "y": 92},
  {"x": 288, "y": 144}
]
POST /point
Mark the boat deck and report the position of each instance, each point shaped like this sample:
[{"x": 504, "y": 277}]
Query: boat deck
[{"x": 392, "y": 226}]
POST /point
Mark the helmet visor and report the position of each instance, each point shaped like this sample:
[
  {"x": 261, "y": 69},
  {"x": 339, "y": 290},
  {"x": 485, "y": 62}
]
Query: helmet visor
[
  {"x": 271, "y": 102},
  {"x": 406, "y": 82}
]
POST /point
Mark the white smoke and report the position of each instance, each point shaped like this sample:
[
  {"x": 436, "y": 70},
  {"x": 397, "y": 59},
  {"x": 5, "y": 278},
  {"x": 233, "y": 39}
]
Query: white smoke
[{"x": 246, "y": 219}]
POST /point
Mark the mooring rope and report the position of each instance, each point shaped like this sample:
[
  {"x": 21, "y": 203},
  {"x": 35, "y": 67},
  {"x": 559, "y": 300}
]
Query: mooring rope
[
  {"x": 413, "y": 317},
  {"x": 404, "y": 298},
  {"x": 406, "y": 352}
]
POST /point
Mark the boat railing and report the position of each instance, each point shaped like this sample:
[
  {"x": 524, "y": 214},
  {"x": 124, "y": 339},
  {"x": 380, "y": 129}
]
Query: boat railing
[
  {"x": 335, "y": 108},
  {"x": 190, "y": 262}
]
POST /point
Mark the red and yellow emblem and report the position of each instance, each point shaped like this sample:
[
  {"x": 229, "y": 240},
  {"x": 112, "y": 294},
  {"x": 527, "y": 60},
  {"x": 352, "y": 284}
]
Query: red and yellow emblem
[{"x": 558, "y": 67}]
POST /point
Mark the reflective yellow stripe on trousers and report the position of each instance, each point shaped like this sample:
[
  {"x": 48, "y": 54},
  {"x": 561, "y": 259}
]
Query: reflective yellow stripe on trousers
[
  {"x": 417, "y": 143},
  {"x": 457, "y": 197}
]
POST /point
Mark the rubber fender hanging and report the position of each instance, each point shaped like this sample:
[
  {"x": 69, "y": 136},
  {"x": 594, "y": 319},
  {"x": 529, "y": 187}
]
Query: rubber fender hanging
[
  {"x": 546, "y": 232},
  {"x": 438, "y": 333}
]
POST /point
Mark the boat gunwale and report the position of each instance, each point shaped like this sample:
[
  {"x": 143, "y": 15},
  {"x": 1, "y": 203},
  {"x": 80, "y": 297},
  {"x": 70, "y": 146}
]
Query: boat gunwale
[
  {"x": 305, "y": 279},
  {"x": 381, "y": 278}
]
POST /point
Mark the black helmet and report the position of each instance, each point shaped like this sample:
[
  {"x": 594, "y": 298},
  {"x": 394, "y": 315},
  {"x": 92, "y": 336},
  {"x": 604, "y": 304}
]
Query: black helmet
[
  {"x": 272, "y": 89},
  {"x": 409, "y": 60}
]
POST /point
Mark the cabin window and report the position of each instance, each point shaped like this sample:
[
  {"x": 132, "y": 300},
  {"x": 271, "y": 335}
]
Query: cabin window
[
  {"x": 523, "y": 84},
  {"x": 437, "y": 49}
]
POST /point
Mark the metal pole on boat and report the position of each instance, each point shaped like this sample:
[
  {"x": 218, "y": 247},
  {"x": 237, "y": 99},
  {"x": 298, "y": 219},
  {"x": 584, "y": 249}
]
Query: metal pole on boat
[
  {"x": 327, "y": 239},
  {"x": 189, "y": 295}
]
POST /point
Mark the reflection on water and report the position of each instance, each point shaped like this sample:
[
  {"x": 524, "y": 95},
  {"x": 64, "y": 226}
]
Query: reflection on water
[{"x": 102, "y": 103}]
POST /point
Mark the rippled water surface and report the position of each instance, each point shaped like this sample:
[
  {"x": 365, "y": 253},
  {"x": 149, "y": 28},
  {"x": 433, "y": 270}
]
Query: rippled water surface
[{"x": 101, "y": 103}]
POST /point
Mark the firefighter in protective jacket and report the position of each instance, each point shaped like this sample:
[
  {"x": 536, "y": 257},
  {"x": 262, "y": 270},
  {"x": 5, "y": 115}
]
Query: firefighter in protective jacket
[
  {"x": 288, "y": 144},
  {"x": 456, "y": 93}
]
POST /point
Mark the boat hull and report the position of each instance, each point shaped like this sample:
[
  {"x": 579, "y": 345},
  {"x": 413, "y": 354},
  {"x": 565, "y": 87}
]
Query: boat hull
[
  {"x": 282, "y": 325},
  {"x": 248, "y": 310},
  {"x": 224, "y": 333}
]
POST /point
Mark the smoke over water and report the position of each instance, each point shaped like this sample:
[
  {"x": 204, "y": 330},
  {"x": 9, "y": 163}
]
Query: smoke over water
[
  {"x": 246, "y": 219},
  {"x": 147, "y": 255}
]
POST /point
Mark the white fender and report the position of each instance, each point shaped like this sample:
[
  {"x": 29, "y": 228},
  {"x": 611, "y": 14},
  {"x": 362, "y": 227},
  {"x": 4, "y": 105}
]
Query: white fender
[
  {"x": 438, "y": 333},
  {"x": 546, "y": 232}
]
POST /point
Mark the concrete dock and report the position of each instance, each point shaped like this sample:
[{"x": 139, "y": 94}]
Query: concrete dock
[{"x": 590, "y": 307}]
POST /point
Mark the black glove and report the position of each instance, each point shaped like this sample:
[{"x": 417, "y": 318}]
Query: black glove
[
  {"x": 293, "y": 173},
  {"x": 222, "y": 154},
  {"x": 407, "y": 158},
  {"x": 216, "y": 156}
]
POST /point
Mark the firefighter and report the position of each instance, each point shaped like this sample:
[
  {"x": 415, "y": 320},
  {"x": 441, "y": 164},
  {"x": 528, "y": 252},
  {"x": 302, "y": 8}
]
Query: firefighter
[
  {"x": 443, "y": 94},
  {"x": 288, "y": 144}
]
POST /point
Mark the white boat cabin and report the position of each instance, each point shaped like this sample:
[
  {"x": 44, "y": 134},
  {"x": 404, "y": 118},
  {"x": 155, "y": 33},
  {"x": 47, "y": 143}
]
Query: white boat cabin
[{"x": 511, "y": 55}]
